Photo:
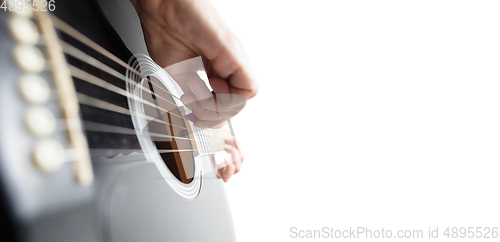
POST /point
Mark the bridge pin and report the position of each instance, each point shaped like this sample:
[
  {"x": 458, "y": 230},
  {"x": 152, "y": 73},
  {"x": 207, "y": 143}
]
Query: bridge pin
[
  {"x": 29, "y": 58},
  {"x": 48, "y": 155},
  {"x": 23, "y": 30},
  {"x": 40, "y": 121},
  {"x": 34, "y": 89}
]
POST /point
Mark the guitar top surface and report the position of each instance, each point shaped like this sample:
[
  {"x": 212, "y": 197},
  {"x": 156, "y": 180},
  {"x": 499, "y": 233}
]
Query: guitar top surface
[{"x": 129, "y": 199}]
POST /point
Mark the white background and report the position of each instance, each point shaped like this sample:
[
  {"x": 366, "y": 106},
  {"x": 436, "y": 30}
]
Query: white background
[{"x": 383, "y": 114}]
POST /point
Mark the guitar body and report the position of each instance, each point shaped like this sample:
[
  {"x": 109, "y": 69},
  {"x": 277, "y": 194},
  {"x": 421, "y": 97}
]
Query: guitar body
[{"x": 129, "y": 198}]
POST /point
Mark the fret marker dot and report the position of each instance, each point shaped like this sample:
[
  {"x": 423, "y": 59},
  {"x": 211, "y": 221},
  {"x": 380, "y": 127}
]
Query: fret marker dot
[
  {"x": 23, "y": 30},
  {"x": 34, "y": 89},
  {"x": 40, "y": 121},
  {"x": 29, "y": 58},
  {"x": 48, "y": 155}
]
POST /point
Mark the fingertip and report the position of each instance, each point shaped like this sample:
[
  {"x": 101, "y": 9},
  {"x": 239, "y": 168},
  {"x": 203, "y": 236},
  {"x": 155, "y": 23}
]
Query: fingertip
[
  {"x": 252, "y": 93},
  {"x": 199, "y": 88},
  {"x": 187, "y": 99},
  {"x": 229, "y": 171},
  {"x": 191, "y": 117}
]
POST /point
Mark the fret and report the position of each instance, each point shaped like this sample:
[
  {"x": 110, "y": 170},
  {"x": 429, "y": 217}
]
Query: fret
[
  {"x": 207, "y": 142},
  {"x": 210, "y": 142},
  {"x": 203, "y": 141},
  {"x": 210, "y": 135}
]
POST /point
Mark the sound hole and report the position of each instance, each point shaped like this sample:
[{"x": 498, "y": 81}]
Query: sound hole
[{"x": 168, "y": 130}]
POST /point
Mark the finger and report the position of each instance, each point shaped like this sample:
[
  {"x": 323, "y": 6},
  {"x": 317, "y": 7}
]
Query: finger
[
  {"x": 185, "y": 70},
  {"x": 235, "y": 144},
  {"x": 205, "y": 114},
  {"x": 229, "y": 170},
  {"x": 202, "y": 94},
  {"x": 198, "y": 87},
  {"x": 229, "y": 102},
  {"x": 235, "y": 157},
  {"x": 201, "y": 113},
  {"x": 231, "y": 63},
  {"x": 205, "y": 124},
  {"x": 224, "y": 97},
  {"x": 222, "y": 102},
  {"x": 221, "y": 167},
  {"x": 182, "y": 80},
  {"x": 243, "y": 84}
]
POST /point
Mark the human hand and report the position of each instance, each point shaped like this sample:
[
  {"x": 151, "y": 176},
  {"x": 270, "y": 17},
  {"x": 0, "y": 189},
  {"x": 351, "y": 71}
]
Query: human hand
[
  {"x": 232, "y": 163},
  {"x": 177, "y": 30},
  {"x": 209, "y": 110}
]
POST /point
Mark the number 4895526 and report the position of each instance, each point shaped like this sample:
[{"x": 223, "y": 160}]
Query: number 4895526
[
  {"x": 28, "y": 5},
  {"x": 471, "y": 232}
]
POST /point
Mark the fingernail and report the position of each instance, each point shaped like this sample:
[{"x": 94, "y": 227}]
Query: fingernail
[{"x": 191, "y": 117}]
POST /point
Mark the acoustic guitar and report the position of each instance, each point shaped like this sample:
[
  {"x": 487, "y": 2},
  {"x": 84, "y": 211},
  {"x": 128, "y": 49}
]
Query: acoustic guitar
[{"x": 94, "y": 145}]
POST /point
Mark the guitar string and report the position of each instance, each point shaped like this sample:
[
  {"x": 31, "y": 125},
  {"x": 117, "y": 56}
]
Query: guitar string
[
  {"x": 85, "y": 76},
  {"x": 70, "y": 154},
  {"x": 100, "y": 127},
  {"x": 78, "y": 73},
  {"x": 98, "y": 103},
  {"x": 87, "y": 100},
  {"x": 82, "y": 38},
  {"x": 64, "y": 27},
  {"x": 70, "y": 157},
  {"x": 75, "y": 52},
  {"x": 202, "y": 136},
  {"x": 84, "y": 99},
  {"x": 161, "y": 151},
  {"x": 101, "y": 83},
  {"x": 61, "y": 25}
]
